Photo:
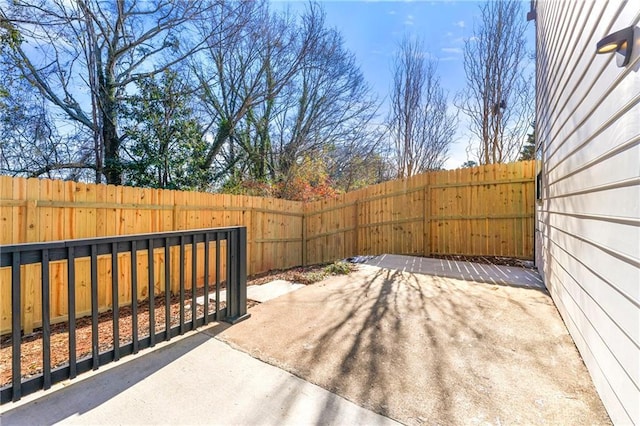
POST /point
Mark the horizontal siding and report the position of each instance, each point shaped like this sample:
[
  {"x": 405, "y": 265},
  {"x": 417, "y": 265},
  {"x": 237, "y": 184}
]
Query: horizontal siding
[{"x": 588, "y": 220}]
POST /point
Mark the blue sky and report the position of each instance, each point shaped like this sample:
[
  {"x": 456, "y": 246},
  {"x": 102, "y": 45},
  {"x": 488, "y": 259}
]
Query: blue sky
[{"x": 372, "y": 30}]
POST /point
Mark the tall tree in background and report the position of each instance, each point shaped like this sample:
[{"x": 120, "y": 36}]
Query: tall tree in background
[
  {"x": 529, "y": 148},
  {"x": 126, "y": 86},
  {"x": 421, "y": 127},
  {"x": 162, "y": 138},
  {"x": 329, "y": 108},
  {"x": 30, "y": 144},
  {"x": 243, "y": 68},
  {"x": 83, "y": 55},
  {"x": 281, "y": 90},
  {"x": 498, "y": 95}
]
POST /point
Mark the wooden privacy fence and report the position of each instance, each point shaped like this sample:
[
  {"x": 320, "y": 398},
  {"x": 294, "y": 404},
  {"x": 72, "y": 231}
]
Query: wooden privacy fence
[
  {"x": 39, "y": 210},
  {"x": 484, "y": 210}
]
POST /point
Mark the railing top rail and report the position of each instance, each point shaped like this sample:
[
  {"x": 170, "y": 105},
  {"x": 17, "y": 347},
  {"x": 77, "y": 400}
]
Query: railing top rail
[
  {"x": 58, "y": 249},
  {"x": 112, "y": 239}
]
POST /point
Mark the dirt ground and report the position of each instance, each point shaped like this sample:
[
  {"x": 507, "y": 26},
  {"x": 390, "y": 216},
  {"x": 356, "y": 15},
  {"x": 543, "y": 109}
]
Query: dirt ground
[{"x": 427, "y": 350}]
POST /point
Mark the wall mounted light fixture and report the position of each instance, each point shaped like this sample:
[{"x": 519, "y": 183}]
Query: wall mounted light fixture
[{"x": 621, "y": 42}]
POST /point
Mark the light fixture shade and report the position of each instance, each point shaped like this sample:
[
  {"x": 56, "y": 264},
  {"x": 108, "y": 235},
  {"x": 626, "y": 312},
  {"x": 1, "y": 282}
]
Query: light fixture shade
[{"x": 621, "y": 42}]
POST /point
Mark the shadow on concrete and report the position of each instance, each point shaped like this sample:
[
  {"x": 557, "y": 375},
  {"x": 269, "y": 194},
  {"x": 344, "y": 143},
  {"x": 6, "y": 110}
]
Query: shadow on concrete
[
  {"x": 90, "y": 392},
  {"x": 512, "y": 276},
  {"x": 427, "y": 349}
]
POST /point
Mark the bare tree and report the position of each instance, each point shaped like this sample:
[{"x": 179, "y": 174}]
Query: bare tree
[
  {"x": 279, "y": 89},
  {"x": 30, "y": 143},
  {"x": 330, "y": 107},
  {"x": 421, "y": 127},
  {"x": 498, "y": 95},
  {"x": 83, "y": 55},
  {"x": 242, "y": 68}
]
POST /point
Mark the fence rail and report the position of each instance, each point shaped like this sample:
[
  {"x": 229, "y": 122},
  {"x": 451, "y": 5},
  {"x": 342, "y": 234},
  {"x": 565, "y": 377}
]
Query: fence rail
[{"x": 18, "y": 257}]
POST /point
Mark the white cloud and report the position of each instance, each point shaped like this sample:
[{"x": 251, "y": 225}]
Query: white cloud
[
  {"x": 409, "y": 20},
  {"x": 454, "y": 50},
  {"x": 392, "y": 12},
  {"x": 459, "y": 24}
]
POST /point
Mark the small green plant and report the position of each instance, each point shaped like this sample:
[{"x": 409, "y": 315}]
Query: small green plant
[
  {"x": 308, "y": 277},
  {"x": 338, "y": 268}
]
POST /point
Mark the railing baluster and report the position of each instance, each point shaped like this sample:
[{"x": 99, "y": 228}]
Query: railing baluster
[
  {"x": 134, "y": 296},
  {"x": 16, "y": 328},
  {"x": 95, "y": 342},
  {"x": 242, "y": 270},
  {"x": 194, "y": 281},
  {"x": 182, "y": 284},
  {"x": 71, "y": 310},
  {"x": 167, "y": 289},
  {"x": 231, "y": 308},
  {"x": 115, "y": 303},
  {"x": 46, "y": 322},
  {"x": 152, "y": 295},
  {"x": 218, "y": 317},
  {"x": 234, "y": 262},
  {"x": 206, "y": 278}
]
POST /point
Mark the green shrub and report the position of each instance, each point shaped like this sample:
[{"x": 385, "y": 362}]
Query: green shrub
[{"x": 338, "y": 268}]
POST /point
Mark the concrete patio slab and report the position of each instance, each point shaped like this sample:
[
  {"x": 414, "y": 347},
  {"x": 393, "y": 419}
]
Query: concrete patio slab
[
  {"x": 194, "y": 380},
  {"x": 425, "y": 349},
  {"x": 469, "y": 271}
]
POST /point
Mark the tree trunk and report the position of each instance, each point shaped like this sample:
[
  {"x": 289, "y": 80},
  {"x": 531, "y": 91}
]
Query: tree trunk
[{"x": 112, "y": 163}]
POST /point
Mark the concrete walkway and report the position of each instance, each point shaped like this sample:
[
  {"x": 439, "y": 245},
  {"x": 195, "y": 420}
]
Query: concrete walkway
[
  {"x": 193, "y": 380},
  {"x": 259, "y": 293}
]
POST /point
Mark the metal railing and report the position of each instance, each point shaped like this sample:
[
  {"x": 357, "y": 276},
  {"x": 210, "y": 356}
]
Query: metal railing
[{"x": 235, "y": 309}]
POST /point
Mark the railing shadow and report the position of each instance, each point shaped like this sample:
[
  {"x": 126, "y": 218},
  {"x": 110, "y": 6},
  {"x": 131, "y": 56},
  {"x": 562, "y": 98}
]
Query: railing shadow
[{"x": 85, "y": 394}]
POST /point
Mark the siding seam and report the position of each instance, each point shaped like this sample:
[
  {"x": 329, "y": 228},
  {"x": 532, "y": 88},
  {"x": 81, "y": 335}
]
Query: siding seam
[
  {"x": 585, "y": 346},
  {"x": 605, "y": 156},
  {"x": 622, "y": 292},
  {"x": 619, "y": 113},
  {"x": 634, "y": 181},
  {"x": 604, "y": 218},
  {"x": 594, "y": 328},
  {"x": 631, "y": 339}
]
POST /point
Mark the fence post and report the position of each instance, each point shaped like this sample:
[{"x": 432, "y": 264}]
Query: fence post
[
  {"x": 238, "y": 279},
  {"x": 356, "y": 231},
  {"x": 426, "y": 226},
  {"x": 32, "y": 274},
  {"x": 304, "y": 237}
]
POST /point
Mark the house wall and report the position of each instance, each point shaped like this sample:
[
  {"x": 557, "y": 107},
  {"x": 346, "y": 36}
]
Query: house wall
[{"x": 588, "y": 218}]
